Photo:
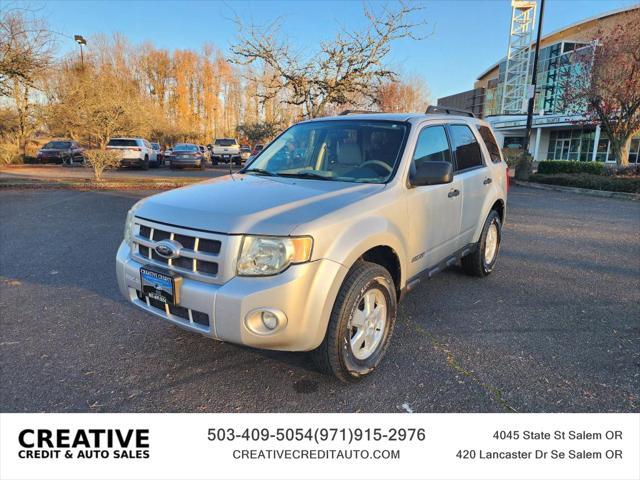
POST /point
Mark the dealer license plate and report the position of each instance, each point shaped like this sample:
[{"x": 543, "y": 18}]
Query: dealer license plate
[{"x": 161, "y": 286}]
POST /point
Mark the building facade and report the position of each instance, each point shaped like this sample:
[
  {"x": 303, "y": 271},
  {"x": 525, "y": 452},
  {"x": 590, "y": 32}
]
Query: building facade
[{"x": 555, "y": 135}]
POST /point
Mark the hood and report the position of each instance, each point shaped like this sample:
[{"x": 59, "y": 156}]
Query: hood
[{"x": 252, "y": 204}]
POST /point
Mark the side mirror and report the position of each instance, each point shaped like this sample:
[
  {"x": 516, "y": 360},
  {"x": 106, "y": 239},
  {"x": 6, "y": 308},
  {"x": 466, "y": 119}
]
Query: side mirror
[{"x": 432, "y": 173}]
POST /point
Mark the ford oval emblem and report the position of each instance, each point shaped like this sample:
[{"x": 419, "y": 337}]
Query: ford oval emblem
[{"x": 167, "y": 249}]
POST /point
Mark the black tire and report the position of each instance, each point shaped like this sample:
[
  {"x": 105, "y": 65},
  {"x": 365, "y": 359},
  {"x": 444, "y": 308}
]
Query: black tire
[
  {"x": 145, "y": 163},
  {"x": 475, "y": 263},
  {"x": 335, "y": 355}
]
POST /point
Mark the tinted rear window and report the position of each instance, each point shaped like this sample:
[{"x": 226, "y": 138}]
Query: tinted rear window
[
  {"x": 185, "y": 147},
  {"x": 225, "y": 142},
  {"x": 156, "y": 146},
  {"x": 467, "y": 148},
  {"x": 122, "y": 142},
  {"x": 58, "y": 145},
  {"x": 490, "y": 142}
]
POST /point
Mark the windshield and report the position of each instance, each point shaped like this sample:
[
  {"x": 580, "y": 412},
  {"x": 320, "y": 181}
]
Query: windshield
[
  {"x": 122, "y": 142},
  {"x": 185, "y": 147},
  {"x": 58, "y": 145},
  {"x": 347, "y": 151},
  {"x": 225, "y": 142}
]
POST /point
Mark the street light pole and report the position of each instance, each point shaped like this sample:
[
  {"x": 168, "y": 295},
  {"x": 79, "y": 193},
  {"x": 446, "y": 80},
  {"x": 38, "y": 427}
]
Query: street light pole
[
  {"x": 80, "y": 40},
  {"x": 532, "y": 93}
]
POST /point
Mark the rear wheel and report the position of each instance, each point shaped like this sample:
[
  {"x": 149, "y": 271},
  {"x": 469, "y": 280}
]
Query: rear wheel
[
  {"x": 481, "y": 260},
  {"x": 361, "y": 324},
  {"x": 145, "y": 163}
]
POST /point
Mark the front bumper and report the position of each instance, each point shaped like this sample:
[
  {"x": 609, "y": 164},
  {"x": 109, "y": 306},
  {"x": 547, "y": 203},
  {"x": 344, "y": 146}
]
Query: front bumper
[{"x": 305, "y": 293}]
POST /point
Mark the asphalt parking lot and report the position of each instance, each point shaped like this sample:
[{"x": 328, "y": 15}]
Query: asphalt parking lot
[
  {"x": 556, "y": 328},
  {"x": 44, "y": 172}
]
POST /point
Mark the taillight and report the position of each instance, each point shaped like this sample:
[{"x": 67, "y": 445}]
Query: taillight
[{"x": 136, "y": 149}]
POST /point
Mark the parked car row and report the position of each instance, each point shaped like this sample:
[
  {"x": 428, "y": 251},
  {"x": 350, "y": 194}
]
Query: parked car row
[{"x": 139, "y": 152}]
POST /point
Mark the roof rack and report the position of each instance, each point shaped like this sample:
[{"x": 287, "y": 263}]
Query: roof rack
[
  {"x": 449, "y": 111},
  {"x": 355, "y": 112}
]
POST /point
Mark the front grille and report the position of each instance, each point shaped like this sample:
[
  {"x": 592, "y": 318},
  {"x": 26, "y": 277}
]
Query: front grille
[
  {"x": 176, "y": 312},
  {"x": 200, "y": 252}
]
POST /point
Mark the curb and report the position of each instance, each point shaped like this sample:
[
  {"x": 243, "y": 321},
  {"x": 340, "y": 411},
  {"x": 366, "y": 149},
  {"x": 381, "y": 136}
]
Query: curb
[
  {"x": 90, "y": 186},
  {"x": 580, "y": 191}
]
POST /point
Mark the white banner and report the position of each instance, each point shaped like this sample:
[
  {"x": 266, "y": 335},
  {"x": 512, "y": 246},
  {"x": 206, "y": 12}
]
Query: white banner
[{"x": 318, "y": 446}]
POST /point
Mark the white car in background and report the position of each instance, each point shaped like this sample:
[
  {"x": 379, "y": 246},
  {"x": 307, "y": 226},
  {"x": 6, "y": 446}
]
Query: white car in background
[
  {"x": 136, "y": 152},
  {"x": 225, "y": 150}
]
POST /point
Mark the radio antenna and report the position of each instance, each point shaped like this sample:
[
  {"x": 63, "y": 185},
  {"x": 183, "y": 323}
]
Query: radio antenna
[{"x": 231, "y": 169}]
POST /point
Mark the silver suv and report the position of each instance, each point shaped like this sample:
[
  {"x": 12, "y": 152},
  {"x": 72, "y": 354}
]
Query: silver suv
[{"x": 311, "y": 246}]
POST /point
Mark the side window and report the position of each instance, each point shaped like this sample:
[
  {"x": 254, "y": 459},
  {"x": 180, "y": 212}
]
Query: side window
[
  {"x": 432, "y": 146},
  {"x": 490, "y": 142},
  {"x": 467, "y": 148}
]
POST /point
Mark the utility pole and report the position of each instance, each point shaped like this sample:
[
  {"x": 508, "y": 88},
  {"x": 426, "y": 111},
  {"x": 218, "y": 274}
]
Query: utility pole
[{"x": 532, "y": 91}]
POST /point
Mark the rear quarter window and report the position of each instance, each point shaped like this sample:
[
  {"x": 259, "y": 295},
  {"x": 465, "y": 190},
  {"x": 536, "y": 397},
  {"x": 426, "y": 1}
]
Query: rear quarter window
[{"x": 490, "y": 142}]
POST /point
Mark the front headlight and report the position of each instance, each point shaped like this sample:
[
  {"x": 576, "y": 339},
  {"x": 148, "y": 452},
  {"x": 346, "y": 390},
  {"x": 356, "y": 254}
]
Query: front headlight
[
  {"x": 128, "y": 224},
  {"x": 261, "y": 256}
]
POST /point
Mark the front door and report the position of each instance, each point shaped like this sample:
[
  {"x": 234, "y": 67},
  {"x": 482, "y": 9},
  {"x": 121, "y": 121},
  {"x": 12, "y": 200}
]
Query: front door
[{"x": 434, "y": 210}]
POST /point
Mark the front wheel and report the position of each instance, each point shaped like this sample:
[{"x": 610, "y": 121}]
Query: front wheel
[
  {"x": 482, "y": 259},
  {"x": 361, "y": 324}
]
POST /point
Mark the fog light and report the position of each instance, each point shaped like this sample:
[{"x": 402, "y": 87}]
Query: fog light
[
  {"x": 265, "y": 321},
  {"x": 269, "y": 320}
]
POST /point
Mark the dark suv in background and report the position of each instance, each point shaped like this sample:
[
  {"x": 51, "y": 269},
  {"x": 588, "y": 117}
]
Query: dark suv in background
[{"x": 61, "y": 151}]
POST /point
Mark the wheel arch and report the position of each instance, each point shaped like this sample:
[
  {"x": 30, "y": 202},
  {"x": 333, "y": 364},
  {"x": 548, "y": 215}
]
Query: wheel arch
[
  {"x": 386, "y": 257},
  {"x": 495, "y": 203}
]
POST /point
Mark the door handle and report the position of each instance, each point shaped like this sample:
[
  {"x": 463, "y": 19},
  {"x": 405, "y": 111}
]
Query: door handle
[
  {"x": 487, "y": 181},
  {"x": 454, "y": 193}
]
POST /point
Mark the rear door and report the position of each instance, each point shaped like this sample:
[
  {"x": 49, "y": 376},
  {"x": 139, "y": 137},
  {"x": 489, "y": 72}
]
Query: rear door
[
  {"x": 474, "y": 175},
  {"x": 434, "y": 210}
]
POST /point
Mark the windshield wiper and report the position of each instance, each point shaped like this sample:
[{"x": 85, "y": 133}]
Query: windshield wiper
[
  {"x": 315, "y": 176},
  {"x": 261, "y": 171}
]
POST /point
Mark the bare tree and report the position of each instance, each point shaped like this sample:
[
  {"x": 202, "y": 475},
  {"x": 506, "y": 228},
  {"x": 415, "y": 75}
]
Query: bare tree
[
  {"x": 347, "y": 67},
  {"x": 26, "y": 47},
  {"x": 604, "y": 84},
  {"x": 258, "y": 132},
  {"x": 94, "y": 104}
]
